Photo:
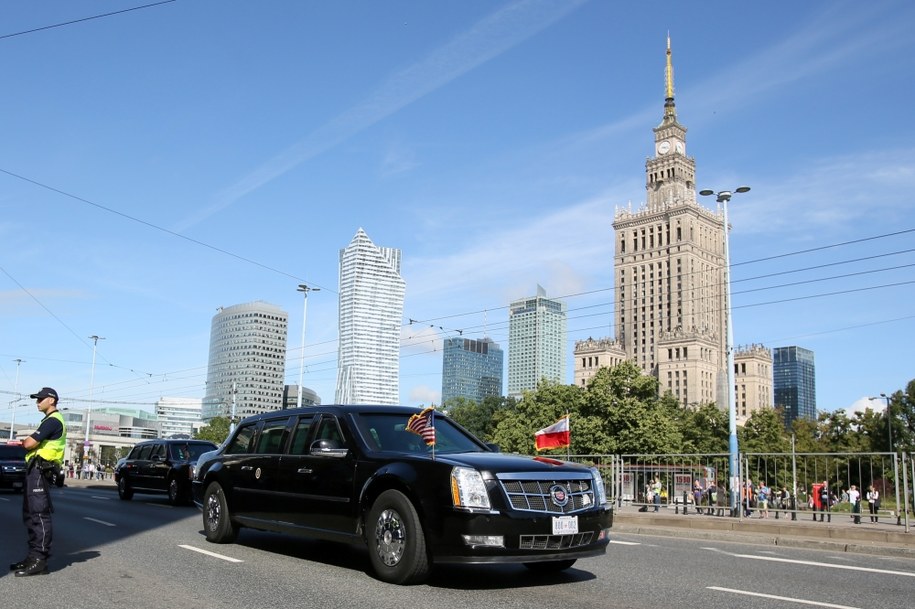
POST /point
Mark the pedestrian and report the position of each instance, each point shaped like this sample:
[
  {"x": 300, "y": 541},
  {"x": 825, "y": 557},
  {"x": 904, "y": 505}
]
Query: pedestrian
[
  {"x": 697, "y": 496},
  {"x": 873, "y": 502},
  {"x": 825, "y": 502},
  {"x": 656, "y": 493},
  {"x": 44, "y": 456},
  {"x": 762, "y": 499},
  {"x": 854, "y": 498}
]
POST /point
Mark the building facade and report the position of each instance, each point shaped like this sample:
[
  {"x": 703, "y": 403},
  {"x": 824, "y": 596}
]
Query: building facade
[
  {"x": 669, "y": 267},
  {"x": 179, "y": 417},
  {"x": 370, "y": 317},
  {"x": 591, "y": 355},
  {"x": 752, "y": 380},
  {"x": 794, "y": 381},
  {"x": 471, "y": 369},
  {"x": 537, "y": 329},
  {"x": 247, "y": 364}
]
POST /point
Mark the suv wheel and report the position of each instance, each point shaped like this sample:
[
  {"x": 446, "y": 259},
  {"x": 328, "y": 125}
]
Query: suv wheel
[
  {"x": 175, "y": 492},
  {"x": 397, "y": 545},
  {"x": 217, "y": 523},
  {"x": 125, "y": 491}
]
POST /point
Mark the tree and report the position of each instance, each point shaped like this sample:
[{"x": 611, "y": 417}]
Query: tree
[
  {"x": 216, "y": 431},
  {"x": 764, "y": 432},
  {"x": 705, "y": 429}
]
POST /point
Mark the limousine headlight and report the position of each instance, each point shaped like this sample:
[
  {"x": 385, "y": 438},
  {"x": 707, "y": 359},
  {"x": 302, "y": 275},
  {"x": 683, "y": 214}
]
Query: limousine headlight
[
  {"x": 600, "y": 493},
  {"x": 468, "y": 491}
]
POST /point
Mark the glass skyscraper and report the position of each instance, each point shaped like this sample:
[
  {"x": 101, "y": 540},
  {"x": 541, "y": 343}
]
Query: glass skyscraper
[
  {"x": 536, "y": 342},
  {"x": 370, "y": 317},
  {"x": 471, "y": 369},
  {"x": 794, "y": 383}
]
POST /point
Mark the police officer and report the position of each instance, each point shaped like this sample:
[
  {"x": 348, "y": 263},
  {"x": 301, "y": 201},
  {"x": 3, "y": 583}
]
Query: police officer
[{"x": 44, "y": 455}]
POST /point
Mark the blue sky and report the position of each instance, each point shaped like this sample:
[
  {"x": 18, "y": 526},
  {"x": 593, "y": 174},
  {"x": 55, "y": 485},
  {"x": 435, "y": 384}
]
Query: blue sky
[{"x": 160, "y": 163}]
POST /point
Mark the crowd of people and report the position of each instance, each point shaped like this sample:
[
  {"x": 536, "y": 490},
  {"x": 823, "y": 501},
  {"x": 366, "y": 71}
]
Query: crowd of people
[{"x": 87, "y": 471}]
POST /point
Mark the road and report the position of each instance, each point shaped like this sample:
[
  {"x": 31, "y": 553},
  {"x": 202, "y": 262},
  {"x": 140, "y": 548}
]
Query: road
[{"x": 144, "y": 553}]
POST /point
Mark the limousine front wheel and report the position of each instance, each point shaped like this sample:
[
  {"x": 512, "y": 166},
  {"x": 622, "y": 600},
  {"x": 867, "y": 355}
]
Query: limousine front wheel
[
  {"x": 217, "y": 524},
  {"x": 397, "y": 546}
]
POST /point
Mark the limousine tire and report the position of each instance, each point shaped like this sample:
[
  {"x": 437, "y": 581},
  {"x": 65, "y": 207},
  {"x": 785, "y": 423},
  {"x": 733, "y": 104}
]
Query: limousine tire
[
  {"x": 553, "y": 566},
  {"x": 175, "y": 492},
  {"x": 125, "y": 491},
  {"x": 397, "y": 545},
  {"x": 217, "y": 523}
]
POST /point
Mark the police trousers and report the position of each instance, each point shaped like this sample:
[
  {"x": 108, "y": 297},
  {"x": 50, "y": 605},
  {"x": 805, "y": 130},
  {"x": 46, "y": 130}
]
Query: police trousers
[{"x": 36, "y": 513}]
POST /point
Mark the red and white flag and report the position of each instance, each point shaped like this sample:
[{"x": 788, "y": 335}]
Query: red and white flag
[{"x": 556, "y": 435}]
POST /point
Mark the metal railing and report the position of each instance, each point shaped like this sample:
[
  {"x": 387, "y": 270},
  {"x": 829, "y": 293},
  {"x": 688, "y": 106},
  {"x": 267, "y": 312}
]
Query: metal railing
[{"x": 699, "y": 483}]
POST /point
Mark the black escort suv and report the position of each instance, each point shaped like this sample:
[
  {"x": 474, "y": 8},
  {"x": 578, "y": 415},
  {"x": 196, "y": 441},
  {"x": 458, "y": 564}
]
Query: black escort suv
[
  {"x": 357, "y": 474},
  {"x": 12, "y": 466},
  {"x": 160, "y": 466}
]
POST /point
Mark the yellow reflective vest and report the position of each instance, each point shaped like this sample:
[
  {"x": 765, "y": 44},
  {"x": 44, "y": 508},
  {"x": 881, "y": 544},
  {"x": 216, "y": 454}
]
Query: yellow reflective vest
[{"x": 51, "y": 450}]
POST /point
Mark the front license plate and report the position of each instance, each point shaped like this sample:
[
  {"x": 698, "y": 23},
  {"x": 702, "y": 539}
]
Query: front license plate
[{"x": 565, "y": 525}]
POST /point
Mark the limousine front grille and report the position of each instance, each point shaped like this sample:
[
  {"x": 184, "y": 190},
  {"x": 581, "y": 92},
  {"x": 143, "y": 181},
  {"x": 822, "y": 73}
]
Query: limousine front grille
[
  {"x": 555, "y": 542},
  {"x": 549, "y": 496}
]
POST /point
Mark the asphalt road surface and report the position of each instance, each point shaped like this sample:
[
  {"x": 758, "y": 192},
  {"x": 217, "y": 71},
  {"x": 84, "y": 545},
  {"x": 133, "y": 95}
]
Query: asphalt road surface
[{"x": 144, "y": 553}]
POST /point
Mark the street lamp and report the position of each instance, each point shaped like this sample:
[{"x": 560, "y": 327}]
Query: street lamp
[
  {"x": 724, "y": 197},
  {"x": 304, "y": 289},
  {"x": 95, "y": 340},
  {"x": 889, "y": 429}
]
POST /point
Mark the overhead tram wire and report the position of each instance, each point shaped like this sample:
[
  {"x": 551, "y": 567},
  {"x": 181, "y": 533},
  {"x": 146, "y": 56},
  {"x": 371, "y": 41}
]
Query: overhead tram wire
[{"x": 84, "y": 19}]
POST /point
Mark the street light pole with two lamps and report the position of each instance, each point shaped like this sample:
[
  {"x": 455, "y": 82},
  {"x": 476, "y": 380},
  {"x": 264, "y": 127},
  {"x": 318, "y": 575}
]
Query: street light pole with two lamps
[
  {"x": 889, "y": 429},
  {"x": 724, "y": 197},
  {"x": 305, "y": 289},
  {"x": 95, "y": 340}
]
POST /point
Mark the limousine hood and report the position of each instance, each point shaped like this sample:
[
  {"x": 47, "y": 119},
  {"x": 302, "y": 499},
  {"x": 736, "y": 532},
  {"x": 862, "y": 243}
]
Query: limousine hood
[{"x": 509, "y": 462}]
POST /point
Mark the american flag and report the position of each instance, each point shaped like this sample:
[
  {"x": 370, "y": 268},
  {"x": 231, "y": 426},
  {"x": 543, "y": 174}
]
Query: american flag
[{"x": 423, "y": 424}]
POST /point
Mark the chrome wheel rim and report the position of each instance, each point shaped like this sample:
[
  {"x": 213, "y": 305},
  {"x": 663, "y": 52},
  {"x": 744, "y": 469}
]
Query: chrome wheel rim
[
  {"x": 390, "y": 537},
  {"x": 173, "y": 490},
  {"x": 213, "y": 511}
]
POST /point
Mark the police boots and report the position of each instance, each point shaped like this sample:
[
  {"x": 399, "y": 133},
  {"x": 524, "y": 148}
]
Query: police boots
[{"x": 32, "y": 566}]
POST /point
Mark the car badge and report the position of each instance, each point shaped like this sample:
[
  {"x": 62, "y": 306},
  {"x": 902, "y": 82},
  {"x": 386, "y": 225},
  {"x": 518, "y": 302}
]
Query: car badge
[
  {"x": 257, "y": 474},
  {"x": 558, "y": 495}
]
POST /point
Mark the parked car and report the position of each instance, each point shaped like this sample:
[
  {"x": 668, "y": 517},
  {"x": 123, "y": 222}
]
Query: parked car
[
  {"x": 160, "y": 466},
  {"x": 356, "y": 474},
  {"x": 12, "y": 466}
]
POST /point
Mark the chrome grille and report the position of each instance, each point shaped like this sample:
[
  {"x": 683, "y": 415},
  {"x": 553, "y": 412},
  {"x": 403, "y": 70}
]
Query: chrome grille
[
  {"x": 554, "y": 542},
  {"x": 534, "y": 495}
]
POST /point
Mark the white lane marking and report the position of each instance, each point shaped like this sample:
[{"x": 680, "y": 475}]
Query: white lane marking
[
  {"x": 107, "y": 524},
  {"x": 826, "y": 564},
  {"x": 625, "y": 543},
  {"x": 103, "y": 497},
  {"x": 782, "y": 598},
  {"x": 208, "y": 553}
]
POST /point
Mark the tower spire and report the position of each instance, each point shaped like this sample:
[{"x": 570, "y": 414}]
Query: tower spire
[{"x": 670, "y": 109}]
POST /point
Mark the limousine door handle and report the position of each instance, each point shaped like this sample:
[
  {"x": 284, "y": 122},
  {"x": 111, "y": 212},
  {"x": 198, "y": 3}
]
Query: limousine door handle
[
  {"x": 304, "y": 470},
  {"x": 246, "y": 468}
]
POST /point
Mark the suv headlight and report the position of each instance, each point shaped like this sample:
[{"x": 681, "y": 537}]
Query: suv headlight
[
  {"x": 600, "y": 493},
  {"x": 468, "y": 491}
]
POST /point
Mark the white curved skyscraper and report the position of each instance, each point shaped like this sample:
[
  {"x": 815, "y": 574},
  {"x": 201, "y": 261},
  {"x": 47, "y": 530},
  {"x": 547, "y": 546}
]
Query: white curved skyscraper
[
  {"x": 370, "y": 317},
  {"x": 247, "y": 363}
]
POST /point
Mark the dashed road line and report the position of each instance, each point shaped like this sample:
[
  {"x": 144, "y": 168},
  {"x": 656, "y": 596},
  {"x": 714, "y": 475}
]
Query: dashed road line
[
  {"x": 96, "y": 520},
  {"x": 781, "y": 598},
  {"x": 208, "y": 553}
]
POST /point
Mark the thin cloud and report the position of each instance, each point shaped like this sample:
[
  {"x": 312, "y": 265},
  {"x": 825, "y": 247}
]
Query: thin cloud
[{"x": 486, "y": 40}]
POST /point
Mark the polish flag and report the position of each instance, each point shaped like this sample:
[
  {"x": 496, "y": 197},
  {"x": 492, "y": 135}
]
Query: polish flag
[{"x": 555, "y": 436}]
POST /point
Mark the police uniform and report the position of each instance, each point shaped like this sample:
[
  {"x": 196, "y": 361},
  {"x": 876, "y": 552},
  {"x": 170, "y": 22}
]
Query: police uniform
[{"x": 43, "y": 462}]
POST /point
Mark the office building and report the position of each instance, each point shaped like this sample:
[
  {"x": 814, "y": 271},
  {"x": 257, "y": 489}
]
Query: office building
[
  {"x": 247, "y": 364},
  {"x": 179, "y": 417},
  {"x": 794, "y": 380},
  {"x": 370, "y": 317},
  {"x": 536, "y": 342},
  {"x": 471, "y": 369}
]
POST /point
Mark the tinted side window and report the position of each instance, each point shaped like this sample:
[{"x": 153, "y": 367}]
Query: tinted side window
[
  {"x": 143, "y": 453},
  {"x": 158, "y": 451},
  {"x": 241, "y": 441},
  {"x": 272, "y": 438},
  {"x": 328, "y": 429},
  {"x": 300, "y": 436}
]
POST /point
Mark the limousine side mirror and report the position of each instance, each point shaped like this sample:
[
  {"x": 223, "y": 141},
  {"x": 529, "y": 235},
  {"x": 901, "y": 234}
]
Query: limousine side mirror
[
  {"x": 328, "y": 448},
  {"x": 493, "y": 447}
]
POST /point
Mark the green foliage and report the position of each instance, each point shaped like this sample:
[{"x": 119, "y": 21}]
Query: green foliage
[
  {"x": 705, "y": 430},
  {"x": 217, "y": 430},
  {"x": 764, "y": 432}
]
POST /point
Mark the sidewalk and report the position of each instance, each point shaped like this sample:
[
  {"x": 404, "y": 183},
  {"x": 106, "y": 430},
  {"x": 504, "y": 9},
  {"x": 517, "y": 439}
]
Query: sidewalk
[{"x": 841, "y": 535}]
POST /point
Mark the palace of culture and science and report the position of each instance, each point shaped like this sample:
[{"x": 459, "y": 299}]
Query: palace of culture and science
[{"x": 671, "y": 302}]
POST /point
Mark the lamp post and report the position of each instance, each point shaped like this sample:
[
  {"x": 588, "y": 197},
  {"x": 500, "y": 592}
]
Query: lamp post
[
  {"x": 18, "y": 398},
  {"x": 95, "y": 340},
  {"x": 304, "y": 289},
  {"x": 889, "y": 429},
  {"x": 724, "y": 197}
]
